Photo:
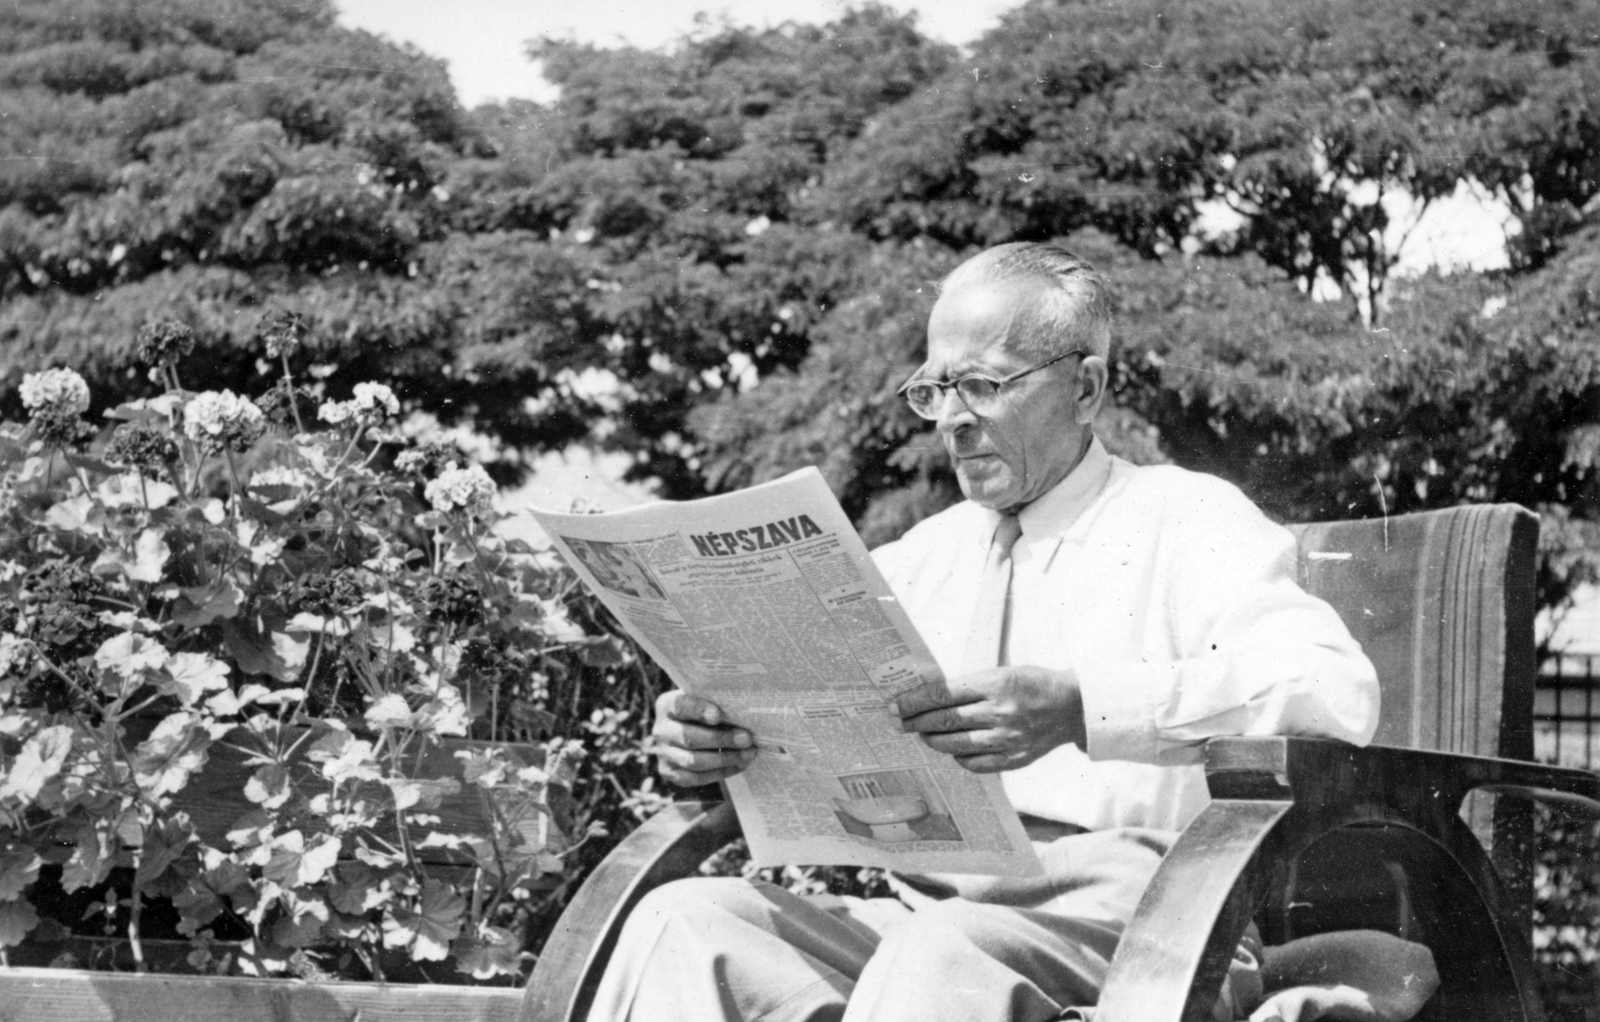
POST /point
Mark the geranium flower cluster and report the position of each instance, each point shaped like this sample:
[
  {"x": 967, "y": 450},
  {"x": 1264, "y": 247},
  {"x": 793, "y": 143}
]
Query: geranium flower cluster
[
  {"x": 282, "y": 332},
  {"x": 56, "y": 392},
  {"x": 428, "y": 459},
  {"x": 461, "y": 489},
  {"x": 308, "y": 624},
  {"x": 371, "y": 402},
  {"x": 141, "y": 447},
  {"x": 165, "y": 340},
  {"x": 221, "y": 420},
  {"x": 55, "y": 399}
]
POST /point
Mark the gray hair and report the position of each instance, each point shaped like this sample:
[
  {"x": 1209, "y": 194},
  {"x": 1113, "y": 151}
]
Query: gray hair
[{"x": 1073, "y": 311}]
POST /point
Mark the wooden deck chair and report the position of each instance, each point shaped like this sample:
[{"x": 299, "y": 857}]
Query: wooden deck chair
[{"x": 1425, "y": 834}]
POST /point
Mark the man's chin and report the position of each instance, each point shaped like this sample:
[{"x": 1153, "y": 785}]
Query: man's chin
[{"x": 986, "y": 489}]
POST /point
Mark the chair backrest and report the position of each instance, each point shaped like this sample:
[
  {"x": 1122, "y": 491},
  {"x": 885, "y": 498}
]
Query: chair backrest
[{"x": 1443, "y": 604}]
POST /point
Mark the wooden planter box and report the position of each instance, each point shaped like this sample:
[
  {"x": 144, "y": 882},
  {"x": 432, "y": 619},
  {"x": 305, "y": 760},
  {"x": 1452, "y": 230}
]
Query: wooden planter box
[
  {"x": 74, "y": 995},
  {"x": 214, "y": 800}
]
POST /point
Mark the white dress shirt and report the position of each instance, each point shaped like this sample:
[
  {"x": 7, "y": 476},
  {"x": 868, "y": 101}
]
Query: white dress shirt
[{"x": 1175, "y": 601}]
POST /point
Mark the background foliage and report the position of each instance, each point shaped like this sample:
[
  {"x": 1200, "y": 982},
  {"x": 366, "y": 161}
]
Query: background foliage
[{"x": 718, "y": 259}]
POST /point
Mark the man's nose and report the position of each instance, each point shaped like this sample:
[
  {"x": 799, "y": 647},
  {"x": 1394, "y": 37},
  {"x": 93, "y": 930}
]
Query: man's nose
[{"x": 953, "y": 412}]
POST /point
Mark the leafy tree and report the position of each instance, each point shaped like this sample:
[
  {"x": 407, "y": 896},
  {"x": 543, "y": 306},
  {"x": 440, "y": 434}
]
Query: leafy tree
[
  {"x": 586, "y": 272},
  {"x": 719, "y": 259},
  {"x": 1138, "y": 117}
]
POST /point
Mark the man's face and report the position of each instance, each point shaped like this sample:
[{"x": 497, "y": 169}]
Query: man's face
[{"x": 1032, "y": 437}]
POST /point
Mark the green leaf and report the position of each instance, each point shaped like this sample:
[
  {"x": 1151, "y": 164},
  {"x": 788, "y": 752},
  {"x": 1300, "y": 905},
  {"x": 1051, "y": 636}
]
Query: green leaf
[
  {"x": 129, "y": 490},
  {"x": 190, "y": 675},
  {"x": 16, "y": 919},
  {"x": 19, "y": 867},
  {"x": 198, "y": 606},
  {"x": 41, "y": 758},
  {"x": 11, "y": 452},
  {"x": 198, "y": 904},
  {"x": 88, "y": 464},
  {"x": 421, "y": 793},
  {"x": 493, "y": 951},
  {"x": 76, "y": 514},
  {"x": 344, "y": 757},
  {"x": 145, "y": 564},
  {"x": 356, "y": 889},
  {"x": 603, "y": 651},
  {"x": 294, "y": 863},
  {"x": 301, "y": 932},
  {"x": 91, "y": 860},
  {"x": 253, "y": 828},
  {"x": 268, "y": 786},
  {"x": 428, "y": 929},
  {"x": 279, "y": 655},
  {"x": 164, "y": 845}
]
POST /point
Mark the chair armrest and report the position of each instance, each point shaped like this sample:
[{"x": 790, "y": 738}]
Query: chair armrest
[
  {"x": 668, "y": 846},
  {"x": 1306, "y": 769},
  {"x": 1275, "y": 796}
]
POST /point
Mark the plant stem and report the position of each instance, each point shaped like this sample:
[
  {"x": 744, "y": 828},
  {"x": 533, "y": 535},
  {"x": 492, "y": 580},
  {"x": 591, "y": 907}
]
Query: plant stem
[
  {"x": 238, "y": 487},
  {"x": 135, "y": 912},
  {"x": 58, "y": 672},
  {"x": 294, "y": 404},
  {"x": 82, "y": 480},
  {"x": 494, "y": 711}
]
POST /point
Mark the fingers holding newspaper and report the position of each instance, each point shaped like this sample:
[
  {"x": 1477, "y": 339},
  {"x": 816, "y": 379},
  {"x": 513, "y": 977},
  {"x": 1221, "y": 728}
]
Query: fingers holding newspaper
[
  {"x": 693, "y": 743},
  {"x": 998, "y": 719}
]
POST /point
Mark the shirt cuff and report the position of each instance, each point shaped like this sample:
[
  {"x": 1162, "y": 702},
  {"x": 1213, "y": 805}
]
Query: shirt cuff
[{"x": 1119, "y": 709}]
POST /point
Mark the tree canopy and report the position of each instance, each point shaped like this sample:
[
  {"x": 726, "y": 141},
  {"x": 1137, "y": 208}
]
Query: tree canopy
[{"x": 718, "y": 258}]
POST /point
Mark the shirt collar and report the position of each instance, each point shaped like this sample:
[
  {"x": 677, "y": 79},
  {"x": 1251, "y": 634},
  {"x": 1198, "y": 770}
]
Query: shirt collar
[{"x": 1052, "y": 515}]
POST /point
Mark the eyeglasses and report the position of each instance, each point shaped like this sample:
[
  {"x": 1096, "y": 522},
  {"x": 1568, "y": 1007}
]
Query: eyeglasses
[{"x": 979, "y": 393}]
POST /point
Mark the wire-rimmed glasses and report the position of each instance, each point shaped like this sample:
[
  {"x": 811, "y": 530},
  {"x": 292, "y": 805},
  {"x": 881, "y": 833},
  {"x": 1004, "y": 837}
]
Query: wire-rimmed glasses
[{"x": 978, "y": 392}]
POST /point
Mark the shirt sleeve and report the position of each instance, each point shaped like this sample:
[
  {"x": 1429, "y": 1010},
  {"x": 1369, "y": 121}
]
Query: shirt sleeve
[{"x": 1256, "y": 654}]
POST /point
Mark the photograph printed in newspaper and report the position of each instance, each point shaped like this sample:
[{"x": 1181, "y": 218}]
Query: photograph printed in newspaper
[{"x": 767, "y": 602}]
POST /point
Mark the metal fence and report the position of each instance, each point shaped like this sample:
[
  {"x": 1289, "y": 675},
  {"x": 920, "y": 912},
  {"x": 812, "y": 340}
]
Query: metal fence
[{"x": 1565, "y": 707}]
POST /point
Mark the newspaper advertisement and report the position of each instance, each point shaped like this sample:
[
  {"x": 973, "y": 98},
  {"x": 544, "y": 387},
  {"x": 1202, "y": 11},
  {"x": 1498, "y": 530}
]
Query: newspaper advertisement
[{"x": 767, "y": 602}]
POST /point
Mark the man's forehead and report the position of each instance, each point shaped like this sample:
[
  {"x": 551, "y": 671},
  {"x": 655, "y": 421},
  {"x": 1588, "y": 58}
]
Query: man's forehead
[{"x": 974, "y": 326}]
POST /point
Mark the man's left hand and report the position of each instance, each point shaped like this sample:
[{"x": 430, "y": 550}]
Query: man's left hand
[{"x": 998, "y": 719}]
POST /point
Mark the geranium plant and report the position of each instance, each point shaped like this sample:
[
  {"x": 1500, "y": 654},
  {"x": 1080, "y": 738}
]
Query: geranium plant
[{"x": 291, "y": 579}]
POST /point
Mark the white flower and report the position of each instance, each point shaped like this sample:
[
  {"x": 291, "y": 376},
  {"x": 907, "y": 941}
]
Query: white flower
[
  {"x": 411, "y": 460},
  {"x": 469, "y": 489},
  {"x": 336, "y": 411},
  {"x": 372, "y": 403},
  {"x": 55, "y": 390},
  {"x": 218, "y": 418},
  {"x": 14, "y": 653},
  {"x": 368, "y": 396},
  {"x": 282, "y": 475}
]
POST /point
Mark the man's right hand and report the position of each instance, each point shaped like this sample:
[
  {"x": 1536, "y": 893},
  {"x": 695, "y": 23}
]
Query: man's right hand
[{"x": 694, "y": 742}]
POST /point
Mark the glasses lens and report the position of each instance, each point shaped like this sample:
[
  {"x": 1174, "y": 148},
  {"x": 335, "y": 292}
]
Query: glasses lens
[
  {"x": 979, "y": 393},
  {"x": 923, "y": 399}
]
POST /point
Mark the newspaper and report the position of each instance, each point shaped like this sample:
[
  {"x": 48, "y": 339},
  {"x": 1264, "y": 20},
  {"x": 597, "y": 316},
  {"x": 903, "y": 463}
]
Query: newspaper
[{"x": 766, "y": 602}]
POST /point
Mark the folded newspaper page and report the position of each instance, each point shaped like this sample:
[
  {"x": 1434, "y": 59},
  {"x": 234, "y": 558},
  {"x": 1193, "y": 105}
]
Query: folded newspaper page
[{"x": 766, "y": 602}]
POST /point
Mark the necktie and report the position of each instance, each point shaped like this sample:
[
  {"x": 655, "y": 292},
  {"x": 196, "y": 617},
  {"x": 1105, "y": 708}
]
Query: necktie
[{"x": 986, "y": 640}]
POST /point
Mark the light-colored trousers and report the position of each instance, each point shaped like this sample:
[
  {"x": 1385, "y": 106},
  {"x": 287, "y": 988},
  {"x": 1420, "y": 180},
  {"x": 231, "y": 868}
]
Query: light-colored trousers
[{"x": 708, "y": 949}]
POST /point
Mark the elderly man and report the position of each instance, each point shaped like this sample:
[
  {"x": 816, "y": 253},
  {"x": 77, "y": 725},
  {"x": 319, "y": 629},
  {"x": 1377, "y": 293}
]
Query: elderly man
[{"x": 1136, "y": 611}]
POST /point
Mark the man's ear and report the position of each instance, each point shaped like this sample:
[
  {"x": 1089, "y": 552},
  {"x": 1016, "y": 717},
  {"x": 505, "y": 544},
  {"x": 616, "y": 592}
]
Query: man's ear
[{"x": 1093, "y": 375}]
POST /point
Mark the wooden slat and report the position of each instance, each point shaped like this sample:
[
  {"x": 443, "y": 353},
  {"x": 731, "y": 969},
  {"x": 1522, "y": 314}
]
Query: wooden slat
[{"x": 72, "y": 995}]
